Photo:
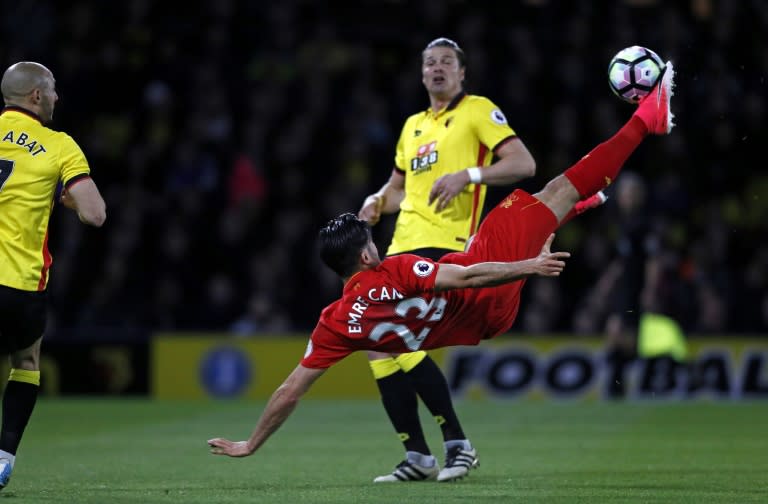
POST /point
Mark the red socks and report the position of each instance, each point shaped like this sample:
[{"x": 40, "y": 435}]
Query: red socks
[{"x": 596, "y": 170}]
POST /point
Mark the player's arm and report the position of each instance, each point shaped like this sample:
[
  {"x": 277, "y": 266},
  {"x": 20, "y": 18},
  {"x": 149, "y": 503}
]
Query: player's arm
[
  {"x": 384, "y": 201},
  {"x": 515, "y": 163},
  {"x": 84, "y": 198},
  {"x": 488, "y": 274},
  {"x": 278, "y": 409}
]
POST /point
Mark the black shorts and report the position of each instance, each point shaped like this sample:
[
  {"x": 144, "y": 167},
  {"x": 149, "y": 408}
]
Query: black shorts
[{"x": 23, "y": 316}]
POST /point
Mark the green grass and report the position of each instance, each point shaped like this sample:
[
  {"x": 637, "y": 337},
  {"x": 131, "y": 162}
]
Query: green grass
[{"x": 115, "y": 451}]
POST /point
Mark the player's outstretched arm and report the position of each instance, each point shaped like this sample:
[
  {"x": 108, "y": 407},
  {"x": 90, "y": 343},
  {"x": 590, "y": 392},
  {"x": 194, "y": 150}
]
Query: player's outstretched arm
[
  {"x": 385, "y": 201},
  {"x": 278, "y": 409},
  {"x": 488, "y": 274}
]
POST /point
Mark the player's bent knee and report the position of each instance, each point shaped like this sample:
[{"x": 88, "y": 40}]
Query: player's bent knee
[{"x": 27, "y": 358}]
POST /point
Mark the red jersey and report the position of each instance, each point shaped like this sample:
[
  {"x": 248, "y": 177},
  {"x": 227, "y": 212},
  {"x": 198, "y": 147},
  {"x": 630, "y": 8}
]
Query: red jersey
[{"x": 393, "y": 307}]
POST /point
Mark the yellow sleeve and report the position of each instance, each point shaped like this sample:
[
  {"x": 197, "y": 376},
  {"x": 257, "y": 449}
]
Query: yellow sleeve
[
  {"x": 490, "y": 123},
  {"x": 73, "y": 162}
]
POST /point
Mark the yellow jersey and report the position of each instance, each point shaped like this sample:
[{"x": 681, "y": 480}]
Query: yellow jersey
[
  {"x": 33, "y": 160},
  {"x": 464, "y": 134}
]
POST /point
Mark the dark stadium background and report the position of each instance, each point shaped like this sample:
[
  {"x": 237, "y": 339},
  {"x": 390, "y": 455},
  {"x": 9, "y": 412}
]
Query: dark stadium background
[{"x": 224, "y": 134}]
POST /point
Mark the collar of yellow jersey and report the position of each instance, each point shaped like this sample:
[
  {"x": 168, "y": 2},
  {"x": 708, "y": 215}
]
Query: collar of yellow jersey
[
  {"x": 21, "y": 110},
  {"x": 451, "y": 105}
]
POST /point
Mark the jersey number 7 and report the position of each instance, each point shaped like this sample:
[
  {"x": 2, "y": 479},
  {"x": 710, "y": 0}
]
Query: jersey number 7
[{"x": 6, "y": 167}]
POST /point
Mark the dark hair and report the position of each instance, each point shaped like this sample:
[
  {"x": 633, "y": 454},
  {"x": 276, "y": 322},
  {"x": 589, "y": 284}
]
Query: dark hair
[
  {"x": 341, "y": 241},
  {"x": 446, "y": 42}
]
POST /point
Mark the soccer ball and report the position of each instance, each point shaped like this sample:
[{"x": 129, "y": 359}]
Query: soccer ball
[{"x": 633, "y": 72}]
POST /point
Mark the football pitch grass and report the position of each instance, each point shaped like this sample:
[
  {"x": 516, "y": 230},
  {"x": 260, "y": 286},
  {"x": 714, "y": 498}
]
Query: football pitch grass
[{"x": 114, "y": 451}]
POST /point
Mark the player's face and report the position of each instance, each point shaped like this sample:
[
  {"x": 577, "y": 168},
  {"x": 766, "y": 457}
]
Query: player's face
[
  {"x": 441, "y": 73},
  {"x": 48, "y": 99}
]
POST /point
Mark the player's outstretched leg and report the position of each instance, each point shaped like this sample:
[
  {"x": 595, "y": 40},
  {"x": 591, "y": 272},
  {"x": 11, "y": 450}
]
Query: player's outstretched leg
[
  {"x": 654, "y": 109},
  {"x": 595, "y": 171}
]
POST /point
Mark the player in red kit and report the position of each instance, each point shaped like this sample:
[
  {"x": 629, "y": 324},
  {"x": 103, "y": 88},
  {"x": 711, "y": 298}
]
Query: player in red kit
[{"x": 406, "y": 303}]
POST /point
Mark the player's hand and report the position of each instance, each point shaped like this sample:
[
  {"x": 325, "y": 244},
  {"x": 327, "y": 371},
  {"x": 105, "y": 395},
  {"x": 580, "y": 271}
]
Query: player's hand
[
  {"x": 371, "y": 209},
  {"x": 446, "y": 188},
  {"x": 549, "y": 263},
  {"x": 220, "y": 446}
]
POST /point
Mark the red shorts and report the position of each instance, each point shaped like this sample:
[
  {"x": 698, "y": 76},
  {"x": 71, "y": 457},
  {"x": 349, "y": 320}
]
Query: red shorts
[{"x": 514, "y": 230}]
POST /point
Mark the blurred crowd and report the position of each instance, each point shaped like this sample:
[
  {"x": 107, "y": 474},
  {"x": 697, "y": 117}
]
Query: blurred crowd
[{"x": 224, "y": 134}]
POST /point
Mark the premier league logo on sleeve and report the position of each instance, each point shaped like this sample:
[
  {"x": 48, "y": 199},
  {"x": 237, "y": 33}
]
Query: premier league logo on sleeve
[
  {"x": 498, "y": 116},
  {"x": 423, "y": 268}
]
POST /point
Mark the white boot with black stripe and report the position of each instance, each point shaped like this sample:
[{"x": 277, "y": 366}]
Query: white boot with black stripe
[
  {"x": 416, "y": 467},
  {"x": 459, "y": 459}
]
